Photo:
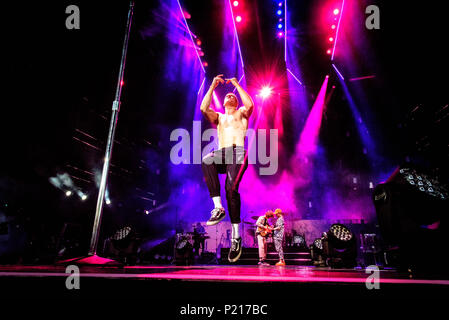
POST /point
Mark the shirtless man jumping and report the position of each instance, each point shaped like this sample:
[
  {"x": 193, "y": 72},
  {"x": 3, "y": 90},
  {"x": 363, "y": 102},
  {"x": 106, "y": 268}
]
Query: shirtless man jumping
[{"x": 230, "y": 158}]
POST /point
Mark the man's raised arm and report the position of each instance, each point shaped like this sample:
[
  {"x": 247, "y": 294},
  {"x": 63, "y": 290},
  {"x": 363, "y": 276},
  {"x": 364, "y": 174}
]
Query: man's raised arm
[
  {"x": 248, "y": 104},
  {"x": 208, "y": 112}
]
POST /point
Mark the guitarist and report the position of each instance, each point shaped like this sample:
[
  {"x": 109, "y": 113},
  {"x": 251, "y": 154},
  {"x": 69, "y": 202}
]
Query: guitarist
[{"x": 262, "y": 231}]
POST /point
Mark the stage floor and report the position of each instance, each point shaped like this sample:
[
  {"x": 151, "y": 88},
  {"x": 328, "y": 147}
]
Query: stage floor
[{"x": 213, "y": 283}]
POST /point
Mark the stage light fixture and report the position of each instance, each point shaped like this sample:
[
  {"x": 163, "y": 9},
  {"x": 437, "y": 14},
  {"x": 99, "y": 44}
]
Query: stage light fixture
[
  {"x": 280, "y": 4},
  {"x": 424, "y": 183},
  {"x": 411, "y": 208},
  {"x": 341, "y": 232},
  {"x": 68, "y": 193},
  {"x": 238, "y": 19},
  {"x": 340, "y": 246},
  {"x": 280, "y": 34},
  {"x": 198, "y": 42},
  {"x": 280, "y": 26},
  {"x": 235, "y": 3},
  {"x": 318, "y": 243},
  {"x": 336, "y": 11},
  {"x": 329, "y": 51},
  {"x": 205, "y": 64},
  {"x": 279, "y": 12},
  {"x": 331, "y": 39},
  {"x": 333, "y": 26},
  {"x": 83, "y": 197},
  {"x": 108, "y": 201}
]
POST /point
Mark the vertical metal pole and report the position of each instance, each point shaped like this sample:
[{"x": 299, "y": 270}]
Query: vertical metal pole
[{"x": 110, "y": 142}]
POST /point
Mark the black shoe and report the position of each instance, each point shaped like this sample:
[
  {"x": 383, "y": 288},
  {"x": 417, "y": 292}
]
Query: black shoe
[
  {"x": 236, "y": 250},
  {"x": 217, "y": 215}
]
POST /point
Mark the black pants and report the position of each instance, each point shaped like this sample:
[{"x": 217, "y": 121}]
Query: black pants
[{"x": 233, "y": 162}]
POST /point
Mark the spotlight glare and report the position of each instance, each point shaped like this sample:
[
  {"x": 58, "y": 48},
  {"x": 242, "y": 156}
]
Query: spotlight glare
[
  {"x": 68, "y": 193},
  {"x": 108, "y": 201},
  {"x": 235, "y": 3},
  {"x": 280, "y": 26},
  {"x": 336, "y": 11},
  {"x": 333, "y": 26},
  {"x": 238, "y": 19},
  {"x": 265, "y": 92},
  {"x": 279, "y": 12},
  {"x": 331, "y": 39},
  {"x": 205, "y": 64},
  {"x": 280, "y": 34},
  {"x": 328, "y": 51},
  {"x": 198, "y": 42},
  {"x": 83, "y": 197}
]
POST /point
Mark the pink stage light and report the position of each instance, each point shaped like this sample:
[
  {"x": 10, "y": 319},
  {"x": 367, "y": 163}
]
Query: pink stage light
[
  {"x": 308, "y": 140},
  {"x": 265, "y": 92},
  {"x": 280, "y": 34},
  {"x": 217, "y": 103},
  {"x": 333, "y": 26},
  {"x": 235, "y": 3},
  {"x": 329, "y": 51},
  {"x": 336, "y": 11},
  {"x": 331, "y": 39},
  {"x": 198, "y": 42},
  {"x": 205, "y": 64},
  {"x": 238, "y": 19}
]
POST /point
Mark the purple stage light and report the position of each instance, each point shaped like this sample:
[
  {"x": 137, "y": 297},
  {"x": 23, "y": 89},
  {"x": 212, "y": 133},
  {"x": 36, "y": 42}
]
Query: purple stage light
[
  {"x": 190, "y": 34},
  {"x": 201, "y": 87},
  {"x": 338, "y": 72},
  {"x": 294, "y": 77}
]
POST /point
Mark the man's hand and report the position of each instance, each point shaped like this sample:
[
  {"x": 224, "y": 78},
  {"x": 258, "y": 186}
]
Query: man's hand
[
  {"x": 234, "y": 81},
  {"x": 217, "y": 80}
]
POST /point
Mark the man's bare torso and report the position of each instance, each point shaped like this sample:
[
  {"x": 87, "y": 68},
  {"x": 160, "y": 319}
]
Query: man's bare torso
[{"x": 231, "y": 129}]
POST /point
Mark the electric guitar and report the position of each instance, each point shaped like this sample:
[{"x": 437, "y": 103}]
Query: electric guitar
[{"x": 266, "y": 230}]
